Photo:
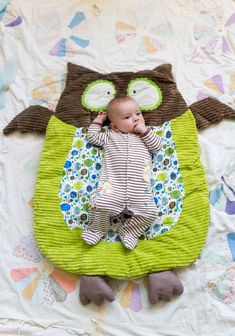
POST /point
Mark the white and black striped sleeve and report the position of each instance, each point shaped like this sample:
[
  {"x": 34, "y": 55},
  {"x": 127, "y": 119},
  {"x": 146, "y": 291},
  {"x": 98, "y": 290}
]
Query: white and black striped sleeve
[
  {"x": 152, "y": 141},
  {"x": 96, "y": 136}
]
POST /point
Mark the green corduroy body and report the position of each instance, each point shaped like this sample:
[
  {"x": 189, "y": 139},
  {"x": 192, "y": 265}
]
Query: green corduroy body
[{"x": 176, "y": 248}]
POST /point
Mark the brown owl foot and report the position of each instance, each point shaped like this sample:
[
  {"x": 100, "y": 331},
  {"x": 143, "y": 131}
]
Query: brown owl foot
[
  {"x": 95, "y": 289},
  {"x": 163, "y": 285}
]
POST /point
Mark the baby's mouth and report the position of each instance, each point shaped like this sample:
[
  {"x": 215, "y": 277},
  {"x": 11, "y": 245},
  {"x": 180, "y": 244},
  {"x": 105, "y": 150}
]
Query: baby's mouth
[{"x": 134, "y": 128}]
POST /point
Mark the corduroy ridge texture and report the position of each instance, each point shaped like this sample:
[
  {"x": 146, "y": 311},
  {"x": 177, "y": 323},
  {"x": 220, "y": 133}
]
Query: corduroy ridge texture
[{"x": 176, "y": 248}]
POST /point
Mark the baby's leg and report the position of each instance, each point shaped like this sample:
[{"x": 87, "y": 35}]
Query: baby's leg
[
  {"x": 134, "y": 228},
  {"x": 98, "y": 227}
]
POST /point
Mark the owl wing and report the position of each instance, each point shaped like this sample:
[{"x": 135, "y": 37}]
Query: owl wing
[
  {"x": 209, "y": 111},
  {"x": 34, "y": 119}
]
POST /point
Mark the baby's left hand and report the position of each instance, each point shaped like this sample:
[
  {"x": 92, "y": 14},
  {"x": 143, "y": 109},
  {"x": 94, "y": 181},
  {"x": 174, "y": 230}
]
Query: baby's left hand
[{"x": 140, "y": 128}]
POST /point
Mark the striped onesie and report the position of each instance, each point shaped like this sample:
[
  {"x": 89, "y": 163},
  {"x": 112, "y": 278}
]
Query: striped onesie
[{"x": 124, "y": 184}]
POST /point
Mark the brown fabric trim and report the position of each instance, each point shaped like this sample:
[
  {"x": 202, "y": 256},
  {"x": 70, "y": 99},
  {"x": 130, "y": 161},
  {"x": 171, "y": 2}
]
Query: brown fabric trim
[
  {"x": 33, "y": 119},
  {"x": 210, "y": 111}
]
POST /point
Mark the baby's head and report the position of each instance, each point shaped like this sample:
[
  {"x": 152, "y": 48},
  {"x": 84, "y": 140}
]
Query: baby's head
[{"x": 124, "y": 114}]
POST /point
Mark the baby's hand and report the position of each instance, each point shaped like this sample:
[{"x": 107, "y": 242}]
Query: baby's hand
[
  {"x": 102, "y": 116},
  {"x": 140, "y": 128}
]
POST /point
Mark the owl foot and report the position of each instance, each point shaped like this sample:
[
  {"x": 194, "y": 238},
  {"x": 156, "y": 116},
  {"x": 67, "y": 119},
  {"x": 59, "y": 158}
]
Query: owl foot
[
  {"x": 163, "y": 285},
  {"x": 94, "y": 289}
]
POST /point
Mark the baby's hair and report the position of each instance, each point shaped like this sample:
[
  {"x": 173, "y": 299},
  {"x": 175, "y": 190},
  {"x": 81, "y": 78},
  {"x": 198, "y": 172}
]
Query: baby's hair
[{"x": 112, "y": 104}]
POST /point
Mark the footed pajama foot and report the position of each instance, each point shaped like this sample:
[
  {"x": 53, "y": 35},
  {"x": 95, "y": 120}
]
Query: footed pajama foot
[
  {"x": 163, "y": 285},
  {"x": 92, "y": 237},
  {"x": 129, "y": 241},
  {"x": 94, "y": 289}
]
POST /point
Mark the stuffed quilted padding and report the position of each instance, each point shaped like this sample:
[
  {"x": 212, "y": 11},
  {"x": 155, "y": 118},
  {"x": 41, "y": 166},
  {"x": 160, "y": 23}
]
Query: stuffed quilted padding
[{"x": 65, "y": 247}]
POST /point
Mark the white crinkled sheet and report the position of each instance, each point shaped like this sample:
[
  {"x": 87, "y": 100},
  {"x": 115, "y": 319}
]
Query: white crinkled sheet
[{"x": 198, "y": 39}]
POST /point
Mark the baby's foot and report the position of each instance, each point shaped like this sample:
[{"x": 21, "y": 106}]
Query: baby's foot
[
  {"x": 92, "y": 237},
  {"x": 129, "y": 241}
]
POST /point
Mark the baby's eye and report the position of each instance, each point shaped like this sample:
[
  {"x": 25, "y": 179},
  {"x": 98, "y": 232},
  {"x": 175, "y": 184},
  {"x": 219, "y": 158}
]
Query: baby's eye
[
  {"x": 127, "y": 117},
  {"x": 138, "y": 113}
]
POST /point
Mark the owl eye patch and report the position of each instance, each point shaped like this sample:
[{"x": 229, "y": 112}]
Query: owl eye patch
[
  {"x": 98, "y": 94},
  {"x": 146, "y": 93}
]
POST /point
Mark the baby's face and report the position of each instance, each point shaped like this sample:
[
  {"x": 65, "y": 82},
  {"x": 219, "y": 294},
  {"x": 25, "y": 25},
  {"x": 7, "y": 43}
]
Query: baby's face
[{"x": 126, "y": 116}]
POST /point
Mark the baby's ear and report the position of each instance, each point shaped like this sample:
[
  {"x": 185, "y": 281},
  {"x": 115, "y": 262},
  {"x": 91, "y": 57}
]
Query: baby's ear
[{"x": 114, "y": 127}]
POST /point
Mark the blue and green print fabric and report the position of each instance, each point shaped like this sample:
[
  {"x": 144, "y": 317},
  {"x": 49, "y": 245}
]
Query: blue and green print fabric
[{"x": 83, "y": 165}]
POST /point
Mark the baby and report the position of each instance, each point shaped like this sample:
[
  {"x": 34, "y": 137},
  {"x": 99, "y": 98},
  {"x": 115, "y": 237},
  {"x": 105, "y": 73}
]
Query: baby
[{"x": 124, "y": 183}]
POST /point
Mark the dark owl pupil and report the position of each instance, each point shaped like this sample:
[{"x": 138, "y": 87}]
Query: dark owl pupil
[
  {"x": 108, "y": 92},
  {"x": 134, "y": 91}
]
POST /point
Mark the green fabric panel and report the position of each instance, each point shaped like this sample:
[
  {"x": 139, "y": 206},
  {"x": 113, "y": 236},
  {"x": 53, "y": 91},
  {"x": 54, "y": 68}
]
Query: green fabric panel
[{"x": 177, "y": 248}]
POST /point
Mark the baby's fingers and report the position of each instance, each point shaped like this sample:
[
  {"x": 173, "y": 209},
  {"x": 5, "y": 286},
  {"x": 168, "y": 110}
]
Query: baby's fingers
[
  {"x": 102, "y": 113},
  {"x": 136, "y": 128}
]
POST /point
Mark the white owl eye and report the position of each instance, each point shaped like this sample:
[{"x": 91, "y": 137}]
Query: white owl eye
[
  {"x": 98, "y": 94},
  {"x": 146, "y": 93}
]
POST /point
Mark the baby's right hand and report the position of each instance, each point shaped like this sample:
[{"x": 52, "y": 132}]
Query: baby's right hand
[{"x": 102, "y": 116}]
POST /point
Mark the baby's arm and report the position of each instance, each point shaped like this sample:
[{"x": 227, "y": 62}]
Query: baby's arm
[
  {"x": 150, "y": 138},
  {"x": 94, "y": 134}
]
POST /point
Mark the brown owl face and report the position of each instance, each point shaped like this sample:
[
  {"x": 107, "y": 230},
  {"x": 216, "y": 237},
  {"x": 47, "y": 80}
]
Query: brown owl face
[{"x": 87, "y": 92}]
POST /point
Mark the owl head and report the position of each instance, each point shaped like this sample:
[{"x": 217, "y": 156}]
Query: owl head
[{"x": 87, "y": 92}]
